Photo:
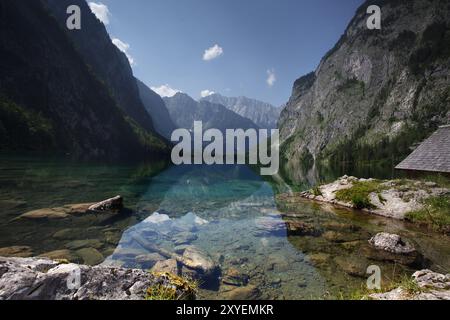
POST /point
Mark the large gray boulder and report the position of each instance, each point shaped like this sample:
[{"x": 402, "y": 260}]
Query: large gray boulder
[
  {"x": 44, "y": 279},
  {"x": 393, "y": 248},
  {"x": 392, "y": 243}
]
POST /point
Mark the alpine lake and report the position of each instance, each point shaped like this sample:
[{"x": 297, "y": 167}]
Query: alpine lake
[{"x": 241, "y": 221}]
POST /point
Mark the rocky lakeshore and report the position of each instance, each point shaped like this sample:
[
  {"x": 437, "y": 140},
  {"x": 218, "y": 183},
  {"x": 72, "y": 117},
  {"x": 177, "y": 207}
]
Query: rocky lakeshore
[
  {"x": 389, "y": 198},
  {"x": 44, "y": 279},
  {"x": 293, "y": 249},
  {"x": 424, "y": 285}
]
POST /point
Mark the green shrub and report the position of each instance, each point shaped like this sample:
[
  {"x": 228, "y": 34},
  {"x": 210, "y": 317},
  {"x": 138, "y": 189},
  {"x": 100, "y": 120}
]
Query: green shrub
[
  {"x": 361, "y": 202},
  {"x": 436, "y": 214},
  {"x": 174, "y": 288},
  {"x": 317, "y": 192},
  {"x": 24, "y": 129},
  {"x": 358, "y": 195},
  {"x": 353, "y": 83}
]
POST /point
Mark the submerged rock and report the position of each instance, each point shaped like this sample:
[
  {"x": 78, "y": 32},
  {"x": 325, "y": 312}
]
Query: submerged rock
[
  {"x": 196, "y": 259},
  {"x": 169, "y": 266},
  {"x": 180, "y": 249},
  {"x": 243, "y": 293},
  {"x": 44, "y": 279},
  {"x": 270, "y": 225},
  {"x": 49, "y": 213},
  {"x": 88, "y": 243},
  {"x": 340, "y": 226},
  {"x": 63, "y": 254},
  {"x": 234, "y": 277},
  {"x": 149, "y": 259},
  {"x": 112, "y": 205},
  {"x": 318, "y": 259},
  {"x": 183, "y": 238},
  {"x": 67, "y": 234},
  {"x": 353, "y": 265},
  {"x": 16, "y": 251},
  {"x": 341, "y": 237},
  {"x": 299, "y": 228},
  {"x": 90, "y": 256}
]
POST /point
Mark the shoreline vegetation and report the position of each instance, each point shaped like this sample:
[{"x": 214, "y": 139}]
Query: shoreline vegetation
[{"x": 425, "y": 202}]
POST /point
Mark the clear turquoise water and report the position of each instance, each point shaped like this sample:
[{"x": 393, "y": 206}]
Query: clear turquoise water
[{"x": 232, "y": 213}]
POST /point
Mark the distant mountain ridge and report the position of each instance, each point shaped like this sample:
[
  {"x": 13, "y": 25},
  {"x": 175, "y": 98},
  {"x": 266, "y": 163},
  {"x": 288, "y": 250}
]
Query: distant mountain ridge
[
  {"x": 261, "y": 113},
  {"x": 184, "y": 111}
]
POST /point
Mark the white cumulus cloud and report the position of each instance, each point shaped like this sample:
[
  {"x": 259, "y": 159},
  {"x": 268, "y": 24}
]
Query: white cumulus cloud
[
  {"x": 212, "y": 53},
  {"x": 206, "y": 93},
  {"x": 101, "y": 11},
  {"x": 165, "y": 90},
  {"x": 125, "y": 48},
  {"x": 271, "y": 77}
]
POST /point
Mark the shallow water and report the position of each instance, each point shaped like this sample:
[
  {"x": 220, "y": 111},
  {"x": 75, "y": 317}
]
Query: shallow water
[{"x": 227, "y": 211}]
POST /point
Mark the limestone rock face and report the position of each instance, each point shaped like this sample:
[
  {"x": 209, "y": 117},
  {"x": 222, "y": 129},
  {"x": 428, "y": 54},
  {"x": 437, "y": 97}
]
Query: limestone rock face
[
  {"x": 372, "y": 87},
  {"x": 43, "y": 279}
]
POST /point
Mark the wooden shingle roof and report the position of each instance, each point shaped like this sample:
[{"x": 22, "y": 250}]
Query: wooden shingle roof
[{"x": 433, "y": 155}]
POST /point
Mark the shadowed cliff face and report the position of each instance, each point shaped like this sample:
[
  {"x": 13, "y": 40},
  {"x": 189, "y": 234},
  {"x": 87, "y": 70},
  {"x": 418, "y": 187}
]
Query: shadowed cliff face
[
  {"x": 108, "y": 63},
  {"x": 377, "y": 92},
  {"x": 44, "y": 77},
  {"x": 155, "y": 106}
]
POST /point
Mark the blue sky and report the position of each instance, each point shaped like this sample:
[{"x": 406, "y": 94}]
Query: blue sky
[{"x": 258, "y": 48}]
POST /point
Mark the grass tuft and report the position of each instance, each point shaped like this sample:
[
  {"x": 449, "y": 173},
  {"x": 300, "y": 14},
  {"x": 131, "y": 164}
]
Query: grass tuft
[
  {"x": 173, "y": 287},
  {"x": 435, "y": 215}
]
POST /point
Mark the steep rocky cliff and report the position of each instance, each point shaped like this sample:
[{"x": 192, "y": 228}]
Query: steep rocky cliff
[
  {"x": 108, "y": 63},
  {"x": 376, "y": 93},
  {"x": 155, "y": 106},
  {"x": 50, "y": 99},
  {"x": 263, "y": 114}
]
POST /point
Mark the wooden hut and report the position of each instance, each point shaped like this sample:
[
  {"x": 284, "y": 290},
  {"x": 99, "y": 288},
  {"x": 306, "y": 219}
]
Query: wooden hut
[{"x": 432, "y": 156}]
